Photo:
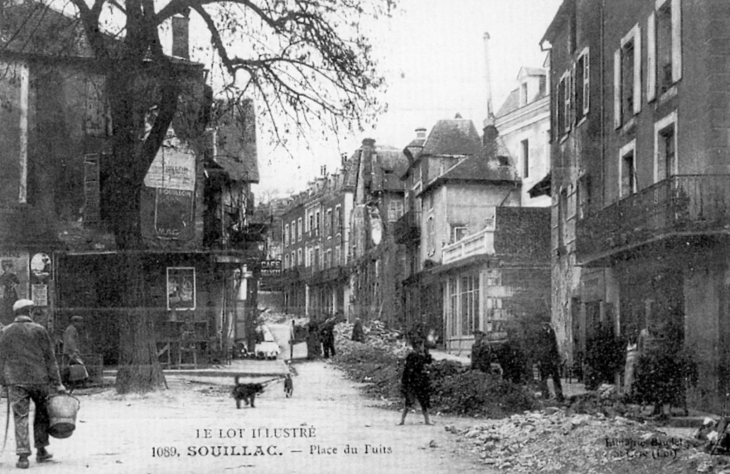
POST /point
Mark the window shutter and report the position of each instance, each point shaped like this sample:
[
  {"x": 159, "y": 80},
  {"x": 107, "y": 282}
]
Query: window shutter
[
  {"x": 617, "y": 88},
  {"x": 586, "y": 82},
  {"x": 651, "y": 58},
  {"x": 676, "y": 40},
  {"x": 637, "y": 70},
  {"x": 92, "y": 215}
]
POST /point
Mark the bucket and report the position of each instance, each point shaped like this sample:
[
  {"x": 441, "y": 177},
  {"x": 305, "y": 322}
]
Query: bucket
[{"x": 62, "y": 410}]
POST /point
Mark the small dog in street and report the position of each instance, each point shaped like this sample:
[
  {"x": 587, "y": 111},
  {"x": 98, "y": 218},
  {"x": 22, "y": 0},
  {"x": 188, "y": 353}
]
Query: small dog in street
[
  {"x": 288, "y": 386},
  {"x": 246, "y": 392}
]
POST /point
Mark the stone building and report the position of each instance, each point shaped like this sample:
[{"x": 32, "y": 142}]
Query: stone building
[
  {"x": 640, "y": 176},
  {"x": 476, "y": 260},
  {"x": 195, "y": 202}
]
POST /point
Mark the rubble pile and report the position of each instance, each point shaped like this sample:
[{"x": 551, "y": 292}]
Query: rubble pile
[
  {"x": 552, "y": 440},
  {"x": 377, "y": 336}
]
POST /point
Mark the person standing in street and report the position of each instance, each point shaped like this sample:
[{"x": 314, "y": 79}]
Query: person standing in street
[
  {"x": 549, "y": 364},
  {"x": 74, "y": 371},
  {"x": 29, "y": 371},
  {"x": 327, "y": 334},
  {"x": 72, "y": 342},
  {"x": 415, "y": 383}
]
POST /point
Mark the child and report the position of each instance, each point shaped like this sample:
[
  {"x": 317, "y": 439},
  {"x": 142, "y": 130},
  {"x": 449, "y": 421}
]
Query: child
[{"x": 415, "y": 384}]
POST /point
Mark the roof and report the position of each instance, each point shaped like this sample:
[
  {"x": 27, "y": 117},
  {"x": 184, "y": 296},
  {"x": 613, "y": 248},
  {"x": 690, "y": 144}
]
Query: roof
[
  {"x": 526, "y": 71},
  {"x": 480, "y": 168},
  {"x": 510, "y": 104},
  {"x": 393, "y": 164},
  {"x": 455, "y": 137},
  {"x": 565, "y": 9},
  {"x": 542, "y": 187}
]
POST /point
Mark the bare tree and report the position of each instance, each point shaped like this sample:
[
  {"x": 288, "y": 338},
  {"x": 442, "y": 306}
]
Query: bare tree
[{"x": 303, "y": 60}]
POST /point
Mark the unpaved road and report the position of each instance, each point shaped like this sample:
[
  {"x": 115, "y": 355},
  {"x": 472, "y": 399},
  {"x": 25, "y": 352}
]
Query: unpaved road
[{"x": 181, "y": 430}]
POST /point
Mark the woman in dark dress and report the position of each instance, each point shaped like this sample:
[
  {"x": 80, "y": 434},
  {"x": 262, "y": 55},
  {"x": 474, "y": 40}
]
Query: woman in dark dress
[{"x": 415, "y": 383}]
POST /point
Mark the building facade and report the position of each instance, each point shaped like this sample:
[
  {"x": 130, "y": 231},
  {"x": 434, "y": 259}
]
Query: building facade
[
  {"x": 55, "y": 240},
  {"x": 463, "y": 230},
  {"x": 639, "y": 129}
]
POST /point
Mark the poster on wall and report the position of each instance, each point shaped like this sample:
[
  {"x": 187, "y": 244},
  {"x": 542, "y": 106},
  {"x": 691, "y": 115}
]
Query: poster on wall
[
  {"x": 180, "y": 288},
  {"x": 173, "y": 212},
  {"x": 13, "y": 281},
  {"x": 172, "y": 175}
]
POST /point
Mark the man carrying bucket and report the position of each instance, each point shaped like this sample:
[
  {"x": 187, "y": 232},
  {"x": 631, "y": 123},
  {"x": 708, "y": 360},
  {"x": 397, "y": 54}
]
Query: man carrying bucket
[{"x": 29, "y": 370}]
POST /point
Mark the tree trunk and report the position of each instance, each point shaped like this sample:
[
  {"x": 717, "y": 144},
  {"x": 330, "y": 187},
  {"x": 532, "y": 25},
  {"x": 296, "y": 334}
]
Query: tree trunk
[{"x": 139, "y": 369}]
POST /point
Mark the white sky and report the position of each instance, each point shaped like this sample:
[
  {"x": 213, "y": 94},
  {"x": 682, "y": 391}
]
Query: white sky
[{"x": 432, "y": 55}]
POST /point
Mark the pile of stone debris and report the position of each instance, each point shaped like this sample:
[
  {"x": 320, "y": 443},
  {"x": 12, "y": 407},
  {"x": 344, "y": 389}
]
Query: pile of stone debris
[
  {"x": 551, "y": 440},
  {"x": 377, "y": 336}
]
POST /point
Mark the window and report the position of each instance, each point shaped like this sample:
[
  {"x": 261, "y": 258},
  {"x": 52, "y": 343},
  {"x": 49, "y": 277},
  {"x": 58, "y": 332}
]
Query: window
[
  {"x": 563, "y": 105},
  {"x": 585, "y": 195},
  {"x": 286, "y": 235},
  {"x": 665, "y": 144},
  {"x": 395, "y": 210},
  {"x": 338, "y": 219},
  {"x": 431, "y": 237},
  {"x": 458, "y": 232},
  {"x": 330, "y": 222},
  {"x": 293, "y": 259},
  {"x": 293, "y": 239},
  {"x": 469, "y": 303},
  {"x": 627, "y": 170},
  {"x": 286, "y": 262},
  {"x": 300, "y": 229},
  {"x": 523, "y": 94},
  {"x": 453, "y": 306},
  {"x": 338, "y": 255},
  {"x": 315, "y": 262},
  {"x": 328, "y": 259},
  {"x": 316, "y": 223},
  {"x": 582, "y": 85},
  {"x": 664, "y": 51},
  {"x": 311, "y": 222},
  {"x": 299, "y": 257},
  {"x": 627, "y": 78},
  {"x": 525, "y": 152},
  {"x": 311, "y": 258}
]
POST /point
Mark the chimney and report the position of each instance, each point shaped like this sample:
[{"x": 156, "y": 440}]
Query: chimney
[
  {"x": 421, "y": 133},
  {"x": 180, "y": 35},
  {"x": 488, "y": 82},
  {"x": 489, "y": 138}
]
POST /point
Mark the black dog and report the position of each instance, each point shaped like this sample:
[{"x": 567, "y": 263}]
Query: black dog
[
  {"x": 246, "y": 392},
  {"x": 288, "y": 386}
]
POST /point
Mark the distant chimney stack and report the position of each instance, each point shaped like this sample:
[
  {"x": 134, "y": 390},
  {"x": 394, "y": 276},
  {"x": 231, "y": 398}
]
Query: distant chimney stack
[
  {"x": 421, "y": 133},
  {"x": 181, "y": 35},
  {"x": 488, "y": 81}
]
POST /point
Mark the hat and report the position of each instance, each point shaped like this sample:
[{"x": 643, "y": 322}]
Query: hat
[
  {"x": 22, "y": 303},
  {"x": 76, "y": 318}
]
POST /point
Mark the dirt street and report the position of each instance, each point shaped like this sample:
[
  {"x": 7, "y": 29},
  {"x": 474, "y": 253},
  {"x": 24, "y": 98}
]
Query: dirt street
[{"x": 327, "y": 426}]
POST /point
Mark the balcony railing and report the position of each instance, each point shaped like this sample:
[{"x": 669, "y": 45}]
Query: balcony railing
[
  {"x": 407, "y": 228},
  {"x": 481, "y": 243},
  {"x": 686, "y": 204}
]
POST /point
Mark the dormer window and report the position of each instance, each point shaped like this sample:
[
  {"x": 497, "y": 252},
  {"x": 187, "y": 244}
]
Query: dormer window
[{"x": 523, "y": 94}]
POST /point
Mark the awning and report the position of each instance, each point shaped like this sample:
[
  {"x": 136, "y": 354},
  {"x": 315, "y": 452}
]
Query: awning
[{"x": 542, "y": 187}]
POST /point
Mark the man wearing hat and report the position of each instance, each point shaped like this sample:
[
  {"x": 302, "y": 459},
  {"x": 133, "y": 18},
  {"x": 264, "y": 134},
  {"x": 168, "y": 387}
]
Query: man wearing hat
[{"x": 29, "y": 370}]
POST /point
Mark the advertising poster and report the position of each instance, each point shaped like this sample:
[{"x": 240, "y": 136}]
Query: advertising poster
[
  {"x": 181, "y": 288},
  {"x": 172, "y": 176},
  {"x": 13, "y": 280}
]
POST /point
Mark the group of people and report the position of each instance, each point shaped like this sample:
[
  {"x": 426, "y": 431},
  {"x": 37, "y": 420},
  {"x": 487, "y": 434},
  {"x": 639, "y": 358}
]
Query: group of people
[
  {"x": 416, "y": 384},
  {"x": 321, "y": 338},
  {"x": 29, "y": 372}
]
